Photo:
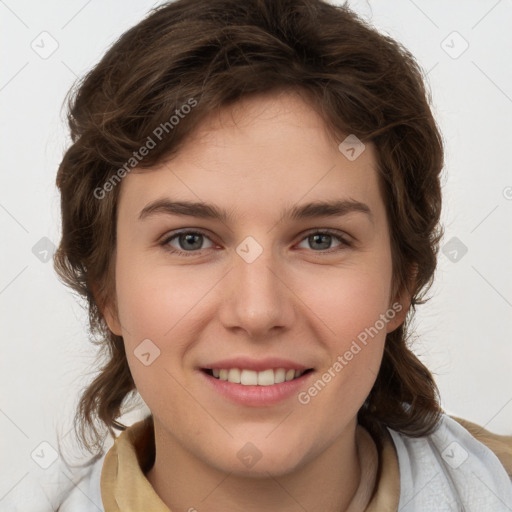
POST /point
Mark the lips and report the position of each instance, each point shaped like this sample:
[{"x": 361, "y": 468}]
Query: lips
[
  {"x": 256, "y": 395},
  {"x": 256, "y": 365}
]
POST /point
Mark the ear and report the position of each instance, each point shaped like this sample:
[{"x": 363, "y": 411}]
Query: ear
[
  {"x": 112, "y": 319},
  {"x": 402, "y": 301},
  {"x": 400, "y": 306},
  {"x": 109, "y": 311}
]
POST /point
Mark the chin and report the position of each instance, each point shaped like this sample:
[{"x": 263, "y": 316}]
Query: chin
[{"x": 259, "y": 459}]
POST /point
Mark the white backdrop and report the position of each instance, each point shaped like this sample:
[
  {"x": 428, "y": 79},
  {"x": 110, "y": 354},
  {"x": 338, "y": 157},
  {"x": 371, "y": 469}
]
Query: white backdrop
[{"x": 463, "y": 333}]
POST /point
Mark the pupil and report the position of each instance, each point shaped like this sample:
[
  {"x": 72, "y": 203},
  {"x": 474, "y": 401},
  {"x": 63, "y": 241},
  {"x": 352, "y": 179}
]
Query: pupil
[
  {"x": 190, "y": 242},
  {"x": 319, "y": 237}
]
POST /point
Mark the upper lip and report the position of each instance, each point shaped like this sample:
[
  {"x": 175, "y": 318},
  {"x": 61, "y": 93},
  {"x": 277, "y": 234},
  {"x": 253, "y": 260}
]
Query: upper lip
[{"x": 258, "y": 365}]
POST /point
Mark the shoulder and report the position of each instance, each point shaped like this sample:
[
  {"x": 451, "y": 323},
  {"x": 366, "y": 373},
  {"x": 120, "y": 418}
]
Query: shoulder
[
  {"x": 451, "y": 467},
  {"x": 59, "y": 487},
  {"x": 500, "y": 445}
]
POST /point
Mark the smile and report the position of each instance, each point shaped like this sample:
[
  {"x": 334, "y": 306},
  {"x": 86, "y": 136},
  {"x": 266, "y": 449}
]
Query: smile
[{"x": 256, "y": 388}]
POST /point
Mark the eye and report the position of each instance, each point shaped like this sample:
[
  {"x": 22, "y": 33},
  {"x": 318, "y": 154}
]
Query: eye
[
  {"x": 323, "y": 239},
  {"x": 188, "y": 243}
]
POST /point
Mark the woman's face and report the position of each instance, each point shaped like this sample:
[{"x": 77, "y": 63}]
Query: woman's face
[{"x": 272, "y": 284}]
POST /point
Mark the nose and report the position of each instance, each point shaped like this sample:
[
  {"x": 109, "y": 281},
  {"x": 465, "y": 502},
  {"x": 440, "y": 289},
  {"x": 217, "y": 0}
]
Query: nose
[{"x": 257, "y": 299}]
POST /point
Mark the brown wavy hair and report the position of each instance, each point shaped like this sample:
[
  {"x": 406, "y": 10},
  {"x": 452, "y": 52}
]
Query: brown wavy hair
[{"x": 217, "y": 52}]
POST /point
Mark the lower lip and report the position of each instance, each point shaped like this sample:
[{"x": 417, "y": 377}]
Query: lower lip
[{"x": 257, "y": 396}]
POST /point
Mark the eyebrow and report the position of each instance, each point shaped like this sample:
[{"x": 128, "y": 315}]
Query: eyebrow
[{"x": 203, "y": 210}]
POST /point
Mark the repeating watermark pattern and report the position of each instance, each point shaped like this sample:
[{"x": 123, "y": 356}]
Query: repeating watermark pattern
[
  {"x": 454, "y": 45},
  {"x": 44, "y": 249},
  {"x": 249, "y": 249},
  {"x": 45, "y": 45},
  {"x": 351, "y": 147},
  {"x": 137, "y": 156},
  {"x": 454, "y": 455},
  {"x": 454, "y": 249},
  {"x": 343, "y": 360},
  {"x": 147, "y": 352},
  {"x": 249, "y": 455},
  {"x": 44, "y": 455}
]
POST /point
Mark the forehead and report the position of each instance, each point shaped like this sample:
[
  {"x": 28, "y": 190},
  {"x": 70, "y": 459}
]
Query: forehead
[{"x": 253, "y": 158}]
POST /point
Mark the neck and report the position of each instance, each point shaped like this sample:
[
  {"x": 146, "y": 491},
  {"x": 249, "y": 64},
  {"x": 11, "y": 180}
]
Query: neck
[{"x": 185, "y": 482}]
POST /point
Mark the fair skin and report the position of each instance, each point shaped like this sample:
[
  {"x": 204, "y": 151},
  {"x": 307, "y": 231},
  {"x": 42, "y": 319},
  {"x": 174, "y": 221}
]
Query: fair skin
[{"x": 303, "y": 298}]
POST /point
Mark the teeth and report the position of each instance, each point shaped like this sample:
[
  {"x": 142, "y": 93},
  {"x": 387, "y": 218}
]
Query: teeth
[
  {"x": 252, "y": 378},
  {"x": 279, "y": 375},
  {"x": 248, "y": 378},
  {"x": 234, "y": 375},
  {"x": 290, "y": 374},
  {"x": 266, "y": 378}
]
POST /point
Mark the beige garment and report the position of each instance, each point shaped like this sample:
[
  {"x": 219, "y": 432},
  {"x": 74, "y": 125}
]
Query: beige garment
[{"x": 125, "y": 488}]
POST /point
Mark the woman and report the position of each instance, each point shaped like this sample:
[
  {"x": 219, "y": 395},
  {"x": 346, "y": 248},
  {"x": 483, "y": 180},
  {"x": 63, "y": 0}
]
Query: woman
[{"x": 251, "y": 207}]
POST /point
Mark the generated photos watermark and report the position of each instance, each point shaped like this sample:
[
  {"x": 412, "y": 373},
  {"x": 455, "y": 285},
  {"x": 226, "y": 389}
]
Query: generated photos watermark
[
  {"x": 158, "y": 133},
  {"x": 343, "y": 360}
]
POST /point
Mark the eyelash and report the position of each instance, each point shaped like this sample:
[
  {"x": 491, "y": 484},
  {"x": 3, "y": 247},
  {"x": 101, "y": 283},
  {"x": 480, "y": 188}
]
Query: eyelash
[{"x": 165, "y": 243}]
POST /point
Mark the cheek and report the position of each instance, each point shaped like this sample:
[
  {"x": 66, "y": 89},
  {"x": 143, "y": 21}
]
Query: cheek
[
  {"x": 350, "y": 303},
  {"x": 350, "y": 300},
  {"x": 153, "y": 301},
  {"x": 167, "y": 307},
  {"x": 349, "y": 308}
]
